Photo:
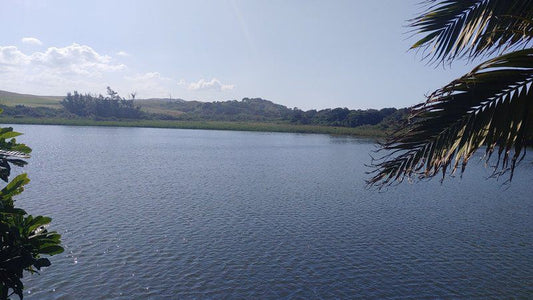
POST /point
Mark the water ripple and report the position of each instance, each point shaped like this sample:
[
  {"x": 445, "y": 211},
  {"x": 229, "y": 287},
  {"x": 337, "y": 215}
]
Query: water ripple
[{"x": 167, "y": 214}]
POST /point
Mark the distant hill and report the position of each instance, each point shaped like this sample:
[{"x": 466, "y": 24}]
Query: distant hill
[
  {"x": 161, "y": 100},
  {"x": 256, "y": 109},
  {"x": 245, "y": 110},
  {"x": 12, "y": 99},
  {"x": 163, "y": 106}
]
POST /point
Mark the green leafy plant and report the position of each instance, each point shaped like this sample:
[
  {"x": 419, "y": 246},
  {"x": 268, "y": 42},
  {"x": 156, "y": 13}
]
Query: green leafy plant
[
  {"x": 23, "y": 238},
  {"x": 491, "y": 106}
]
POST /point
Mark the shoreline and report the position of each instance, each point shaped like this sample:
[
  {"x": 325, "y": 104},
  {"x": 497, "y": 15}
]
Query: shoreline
[{"x": 365, "y": 131}]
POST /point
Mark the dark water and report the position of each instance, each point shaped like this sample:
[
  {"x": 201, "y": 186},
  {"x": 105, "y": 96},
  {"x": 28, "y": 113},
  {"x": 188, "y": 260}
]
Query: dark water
[{"x": 173, "y": 214}]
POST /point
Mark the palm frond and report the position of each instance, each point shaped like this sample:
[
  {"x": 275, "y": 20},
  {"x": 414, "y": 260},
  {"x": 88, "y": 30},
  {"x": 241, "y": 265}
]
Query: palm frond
[
  {"x": 490, "y": 106},
  {"x": 471, "y": 28},
  {"x": 10, "y": 154}
]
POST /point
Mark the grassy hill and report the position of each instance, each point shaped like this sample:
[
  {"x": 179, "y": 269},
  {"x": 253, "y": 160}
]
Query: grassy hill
[
  {"x": 246, "y": 114},
  {"x": 169, "y": 107},
  {"x": 13, "y": 99},
  {"x": 153, "y": 105}
]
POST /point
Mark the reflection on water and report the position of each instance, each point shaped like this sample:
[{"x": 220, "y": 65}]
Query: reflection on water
[{"x": 166, "y": 214}]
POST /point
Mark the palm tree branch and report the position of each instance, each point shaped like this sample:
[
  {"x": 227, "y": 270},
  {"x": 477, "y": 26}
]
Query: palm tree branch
[
  {"x": 458, "y": 28},
  {"x": 490, "y": 106}
]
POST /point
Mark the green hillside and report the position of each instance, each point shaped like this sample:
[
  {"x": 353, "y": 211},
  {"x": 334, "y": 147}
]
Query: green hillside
[
  {"x": 155, "y": 105},
  {"x": 249, "y": 113},
  {"x": 169, "y": 107},
  {"x": 13, "y": 99}
]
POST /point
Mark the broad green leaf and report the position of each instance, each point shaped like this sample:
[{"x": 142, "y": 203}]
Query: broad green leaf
[
  {"x": 33, "y": 224},
  {"x": 51, "y": 250},
  {"x": 42, "y": 262},
  {"x": 9, "y": 135},
  {"x": 15, "y": 187}
]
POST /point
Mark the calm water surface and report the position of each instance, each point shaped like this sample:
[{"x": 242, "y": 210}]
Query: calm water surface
[{"x": 168, "y": 214}]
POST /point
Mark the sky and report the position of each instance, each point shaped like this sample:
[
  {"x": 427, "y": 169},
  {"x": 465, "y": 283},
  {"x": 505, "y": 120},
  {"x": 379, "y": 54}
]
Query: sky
[{"x": 308, "y": 54}]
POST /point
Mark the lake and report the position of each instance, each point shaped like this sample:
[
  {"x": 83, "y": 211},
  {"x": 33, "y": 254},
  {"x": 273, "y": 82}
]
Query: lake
[{"x": 167, "y": 214}]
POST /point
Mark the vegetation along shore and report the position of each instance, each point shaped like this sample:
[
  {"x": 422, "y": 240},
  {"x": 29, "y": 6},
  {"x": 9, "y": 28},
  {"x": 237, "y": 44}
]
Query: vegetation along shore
[{"x": 246, "y": 115}]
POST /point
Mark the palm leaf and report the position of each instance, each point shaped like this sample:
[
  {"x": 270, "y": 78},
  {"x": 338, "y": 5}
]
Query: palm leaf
[
  {"x": 8, "y": 154},
  {"x": 490, "y": 106},
  {"x": 458, "y": 28}
]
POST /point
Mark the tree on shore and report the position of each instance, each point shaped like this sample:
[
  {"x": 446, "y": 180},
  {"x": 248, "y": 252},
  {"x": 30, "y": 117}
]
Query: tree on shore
[
  {"x": 491, "y": 106},
  {"x": 23, "y": 238},
  {"x": 112, "y": 106}
]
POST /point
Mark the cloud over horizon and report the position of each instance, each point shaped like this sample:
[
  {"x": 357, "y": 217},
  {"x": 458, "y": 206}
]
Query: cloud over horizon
[
  {"x": 58, "y": 70},
  {"x": 213, "y": 84},
  {"x": 55, "y": 70},
  {"x": 150, "y": 84},
  {"x": 73, "y": 59}
]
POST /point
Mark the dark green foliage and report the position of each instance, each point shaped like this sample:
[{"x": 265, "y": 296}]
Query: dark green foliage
[
  {"x": 23, "y": 238},
  {"x": 342, "y": 117},
  {"x": 491, "y": 106},
  {"x": 20, "y": 111},
  {"x": 261, "y": 110},
  {"x": 113, "y": 108},
  {"x": 248, "y": 109},
  {"x": 101, "y": 107},
  {"x": 395, "y": 119}
]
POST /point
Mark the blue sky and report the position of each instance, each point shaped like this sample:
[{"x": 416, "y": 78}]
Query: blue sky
[{"x": 306, "y": 54}]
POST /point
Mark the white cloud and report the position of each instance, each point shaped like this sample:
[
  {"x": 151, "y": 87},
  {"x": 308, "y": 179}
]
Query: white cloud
[
  {"x": 123, "y": 54},
  {"x": 148, "y": 76},
  {"x": 213, "y": 84},
  {"x": 77, "y": 59},
  {"x": 151, "y": 84},
  {"x": 154, "y": 84},
  {"x": 12, "y": 56},
  {"x": 58, "y": 70},
  {"x": 73, "y": 59},
  {"x": 31, "y": 41},
  {"x": 55, "y": 70}
]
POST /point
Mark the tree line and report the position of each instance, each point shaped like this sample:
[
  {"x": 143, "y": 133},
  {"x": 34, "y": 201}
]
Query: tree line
[
  {"x": 344, "y": 117},
  {"x": 257, "y": 109},
  {"x": 87, "y": 105},
  {"x": 112, "y": 106}
]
